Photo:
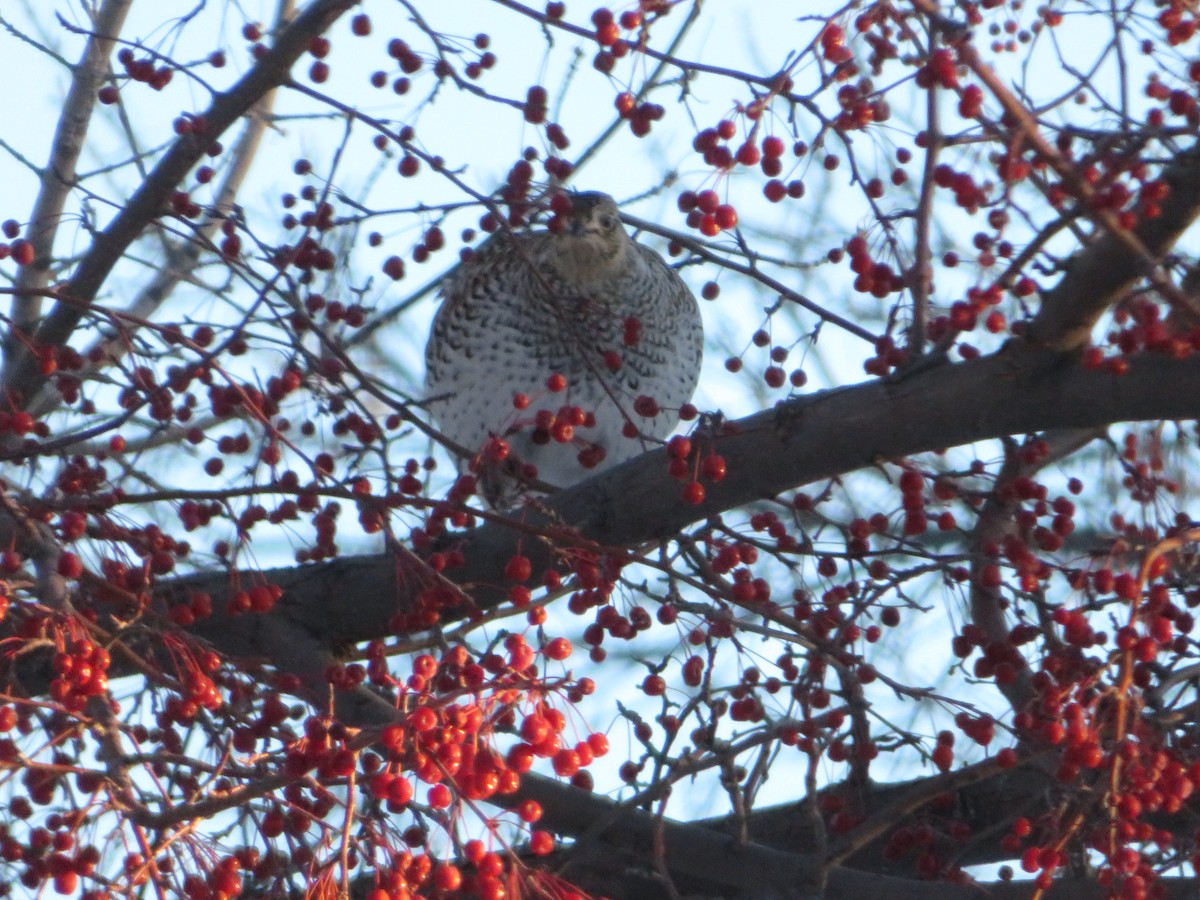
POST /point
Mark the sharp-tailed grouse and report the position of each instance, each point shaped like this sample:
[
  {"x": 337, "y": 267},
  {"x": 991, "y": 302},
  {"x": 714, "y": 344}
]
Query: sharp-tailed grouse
[{"x": 582, "y": 308}]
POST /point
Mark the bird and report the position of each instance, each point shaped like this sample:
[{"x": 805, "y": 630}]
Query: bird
[{"x": 558, "y": 353}]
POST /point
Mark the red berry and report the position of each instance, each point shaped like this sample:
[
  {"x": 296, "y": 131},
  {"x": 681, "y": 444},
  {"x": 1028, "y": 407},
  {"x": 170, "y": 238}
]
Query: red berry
[
  {"x": 713, "y": 467},
  {"x": 440, "y": 796},
  {"x": 22, "y": 252},
  {"x": 519, "y": 569},
  {"x": 679, "y": 447},
  {"x": 70, "y": 565},
  {"x": 645, "y": 406}
]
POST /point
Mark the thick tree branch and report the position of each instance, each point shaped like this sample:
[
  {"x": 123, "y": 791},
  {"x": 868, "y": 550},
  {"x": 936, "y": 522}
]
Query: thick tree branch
[
  {"x": 180, "y": 262},
  {"x": 21, "y": 377},
  {"x": 814, "y": 437},
  {"x": 818, "y": 436},
  {"x": 614, "y": 844},
  {"x": 613, "y": 847},
  {"x": 1103, "y": 272},
  {"x": 997, "y": 519}
]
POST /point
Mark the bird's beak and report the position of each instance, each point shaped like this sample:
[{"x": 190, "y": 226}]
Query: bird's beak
[{"x": 576, "y": 228}]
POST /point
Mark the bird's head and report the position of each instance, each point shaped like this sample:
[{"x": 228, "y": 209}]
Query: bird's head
[{"x": 590, "y": 239}]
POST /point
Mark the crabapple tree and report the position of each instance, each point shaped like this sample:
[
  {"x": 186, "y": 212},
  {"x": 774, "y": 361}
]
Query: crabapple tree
[{"x": 903, "y": 609}]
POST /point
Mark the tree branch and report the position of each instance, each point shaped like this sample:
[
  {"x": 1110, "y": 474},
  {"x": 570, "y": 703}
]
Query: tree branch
[
  {"x": 818, "y": 436},
  {"x": 58, "y": 177},
  {"x": 1102, "y": 273},
  {"x": 21, "y": 377}
]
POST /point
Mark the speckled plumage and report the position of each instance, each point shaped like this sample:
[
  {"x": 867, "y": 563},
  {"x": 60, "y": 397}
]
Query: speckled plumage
[{"x": 529, "y": 305}]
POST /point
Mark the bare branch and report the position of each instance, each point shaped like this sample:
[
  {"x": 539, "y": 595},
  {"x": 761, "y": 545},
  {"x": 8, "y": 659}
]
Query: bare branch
[
  {"x": 58, "y": 177},
  {"x": 20, "y": 376}
]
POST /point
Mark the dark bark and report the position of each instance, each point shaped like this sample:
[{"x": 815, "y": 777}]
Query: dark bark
[{"x": 807, "y": 439}]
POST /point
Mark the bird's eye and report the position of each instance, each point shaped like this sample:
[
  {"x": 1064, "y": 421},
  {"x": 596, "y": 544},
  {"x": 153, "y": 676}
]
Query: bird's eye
[{"x": 607, "y": 222}]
